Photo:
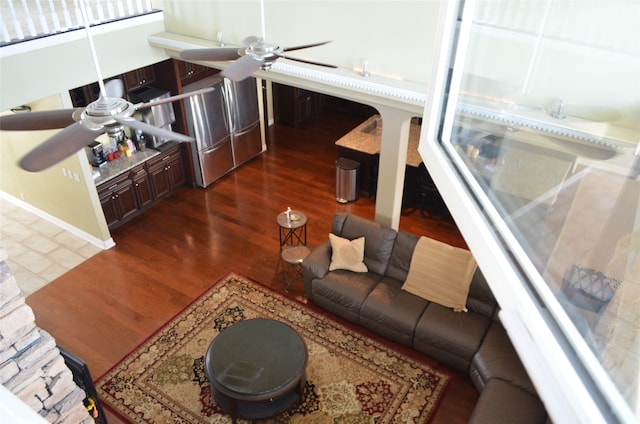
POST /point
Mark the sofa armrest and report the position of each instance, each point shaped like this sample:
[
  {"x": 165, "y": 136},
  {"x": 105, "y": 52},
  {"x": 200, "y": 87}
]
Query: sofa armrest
[{"x": 316, "y": 265}]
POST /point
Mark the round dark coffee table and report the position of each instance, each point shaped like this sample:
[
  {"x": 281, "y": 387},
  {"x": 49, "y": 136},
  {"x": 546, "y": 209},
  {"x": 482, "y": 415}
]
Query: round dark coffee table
[{"x": 256, "y": 368}]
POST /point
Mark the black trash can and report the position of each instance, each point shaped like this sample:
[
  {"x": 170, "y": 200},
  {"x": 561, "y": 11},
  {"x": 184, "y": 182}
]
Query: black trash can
[{"x": 346, "y": 180}]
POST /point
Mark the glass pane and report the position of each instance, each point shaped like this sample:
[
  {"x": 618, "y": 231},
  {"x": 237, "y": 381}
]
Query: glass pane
[{"x": 546, "y": 127}]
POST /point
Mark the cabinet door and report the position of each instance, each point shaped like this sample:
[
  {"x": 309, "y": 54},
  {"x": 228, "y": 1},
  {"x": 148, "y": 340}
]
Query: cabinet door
[
  {"x": 176, "y": 171},
  {"x": 305, "y": 108},
  {"x": 142, "y": 186},
  {"x": 126, "y": 199},
  {"x": 159, "y": 180},
  {"x": 139, "y": 78},
  {"x": 109, "y": 208},
  {"x": 118, "y": 200},
  {"x": 284, "y": 98},
  {"x": 192, "y": 72},
  {"x": 166, "y": 171}
]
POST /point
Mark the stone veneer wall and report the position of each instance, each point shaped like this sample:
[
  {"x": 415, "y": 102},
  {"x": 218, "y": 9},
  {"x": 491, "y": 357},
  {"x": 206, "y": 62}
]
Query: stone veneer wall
[{"x": 30, "y": 363}]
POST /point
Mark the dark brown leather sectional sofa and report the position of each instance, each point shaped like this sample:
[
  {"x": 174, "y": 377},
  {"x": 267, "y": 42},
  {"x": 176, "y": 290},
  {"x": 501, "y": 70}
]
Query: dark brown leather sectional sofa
[{"x": 472, "y": 341}]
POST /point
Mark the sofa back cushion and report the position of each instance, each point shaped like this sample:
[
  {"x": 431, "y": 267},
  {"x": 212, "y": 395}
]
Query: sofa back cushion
[
  {"x": 401, "y": 256},
  {"x": 338, "y": 223},
  {"x": 480, "y": 297},
  {"x": 378, "y": 240}
]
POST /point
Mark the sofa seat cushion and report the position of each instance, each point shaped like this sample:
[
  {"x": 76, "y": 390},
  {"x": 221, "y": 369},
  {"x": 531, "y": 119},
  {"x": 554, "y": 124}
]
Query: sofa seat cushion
[
  {"x": 392, "y": 312},
  {"x": 501, "y": 402},
  {"x": 497, "y": 358},
  {"x": 343, "y": 292},
  {"x": 450, "y": 337}
]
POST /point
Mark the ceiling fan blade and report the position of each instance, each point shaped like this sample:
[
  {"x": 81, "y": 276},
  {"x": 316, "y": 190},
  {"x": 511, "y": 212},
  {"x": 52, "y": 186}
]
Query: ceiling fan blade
[
  {"x": 214, "y": 54},
  {"x": 40, "y": 120},
  {"x": 174, "y": 98},
  {"x": 250, "y": 40},
  {"x": 241, "y": 68},
  {"x": 311, "y": 62},
  {"x": 150, "y": 129},
  {"x": 305, "y": 46},
  {"x": 58, "y": 147}
]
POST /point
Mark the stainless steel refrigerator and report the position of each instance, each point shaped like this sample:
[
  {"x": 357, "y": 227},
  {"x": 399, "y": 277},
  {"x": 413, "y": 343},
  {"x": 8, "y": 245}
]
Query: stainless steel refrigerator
[{"x": 226, "y": 125}]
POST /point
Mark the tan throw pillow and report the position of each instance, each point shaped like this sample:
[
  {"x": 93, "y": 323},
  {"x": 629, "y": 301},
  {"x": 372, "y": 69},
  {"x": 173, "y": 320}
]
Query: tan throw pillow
[
  {"x": 440, "y": 273},
  {"x": 347, "y": 254}
]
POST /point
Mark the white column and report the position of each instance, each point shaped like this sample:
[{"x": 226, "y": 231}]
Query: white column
[{"x": 393, "y": 161}]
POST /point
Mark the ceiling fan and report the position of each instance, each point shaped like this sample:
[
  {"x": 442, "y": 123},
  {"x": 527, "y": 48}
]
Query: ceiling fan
[
  {"x": 256, "y": 53},
  {"x": 110, "y": 114}
]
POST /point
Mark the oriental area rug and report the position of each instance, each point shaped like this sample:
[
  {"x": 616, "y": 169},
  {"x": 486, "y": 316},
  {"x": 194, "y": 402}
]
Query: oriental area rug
[{"x": 351, "y": 378}]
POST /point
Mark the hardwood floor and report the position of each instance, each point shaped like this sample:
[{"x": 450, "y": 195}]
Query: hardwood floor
[{"x": 162, "y": 260}]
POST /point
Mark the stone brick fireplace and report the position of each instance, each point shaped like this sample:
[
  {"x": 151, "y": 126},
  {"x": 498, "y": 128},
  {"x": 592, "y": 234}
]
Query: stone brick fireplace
[{"x": 31, "y": 366}]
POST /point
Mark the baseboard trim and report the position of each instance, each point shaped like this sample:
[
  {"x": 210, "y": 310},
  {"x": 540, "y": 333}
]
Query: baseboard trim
[{"x": 104, "y": 245}]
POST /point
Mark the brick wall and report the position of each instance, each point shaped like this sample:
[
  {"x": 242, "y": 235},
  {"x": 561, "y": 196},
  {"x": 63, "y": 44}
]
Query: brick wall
[{"x": 30, "y": 363}]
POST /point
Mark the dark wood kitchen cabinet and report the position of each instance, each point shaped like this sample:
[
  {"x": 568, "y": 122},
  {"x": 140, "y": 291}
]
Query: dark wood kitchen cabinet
[
  {"x": 294, "y": 106},
  {"x": 139, "y": 78},
  {"x": 191, "y": 72},
  {"x": 118, "y": 200},
  {"x": 138, "y": 189},
  {"x": 166, "y": 171},
  {"x": 142, "y": 186}
]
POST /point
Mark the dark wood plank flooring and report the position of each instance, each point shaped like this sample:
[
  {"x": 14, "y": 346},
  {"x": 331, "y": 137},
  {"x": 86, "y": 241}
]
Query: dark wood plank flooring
[{"x": 162, "y": 260}]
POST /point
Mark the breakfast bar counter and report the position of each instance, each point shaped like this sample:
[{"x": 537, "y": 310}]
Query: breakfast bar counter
[
  {"x": 367, "y": 138},
  {"x": 362, "y": 144}
]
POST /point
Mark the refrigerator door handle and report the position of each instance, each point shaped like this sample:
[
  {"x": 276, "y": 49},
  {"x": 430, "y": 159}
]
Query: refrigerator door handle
[
  {"x": 247, "y": 130},
  {"x": 212, "y": 149},
  {"x": 231, "y": 101}
]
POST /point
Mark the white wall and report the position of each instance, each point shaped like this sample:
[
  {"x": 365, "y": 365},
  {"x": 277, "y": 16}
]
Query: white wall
[
  {"x": 40, "y": 73},
  {"x": 395, "y": 36},
  {"x": 48, "y": 66}
]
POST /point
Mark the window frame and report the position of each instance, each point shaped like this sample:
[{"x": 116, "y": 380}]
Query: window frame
[{"x": 570, "y": 380}]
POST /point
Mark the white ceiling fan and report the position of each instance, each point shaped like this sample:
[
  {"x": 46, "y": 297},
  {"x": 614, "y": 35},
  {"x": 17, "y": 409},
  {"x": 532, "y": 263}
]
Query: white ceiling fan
[
  {"x": 256, "y": 53},
  {"x": 110, "y": 114}
]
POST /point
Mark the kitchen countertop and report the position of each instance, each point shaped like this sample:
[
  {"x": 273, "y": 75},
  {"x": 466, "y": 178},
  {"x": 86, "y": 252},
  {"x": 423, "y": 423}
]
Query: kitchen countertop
[
  {"x": 367, "y": 138},
  {"x": 123, "y": 164}
]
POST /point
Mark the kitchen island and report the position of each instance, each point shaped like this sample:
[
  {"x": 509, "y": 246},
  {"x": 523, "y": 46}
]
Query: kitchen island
[{"x": 362, "y": 144}]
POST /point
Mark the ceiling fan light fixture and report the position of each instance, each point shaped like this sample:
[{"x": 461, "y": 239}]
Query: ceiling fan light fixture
[
  {"x": 115, "y": 132},
  {"x": 108, "y": 106}
]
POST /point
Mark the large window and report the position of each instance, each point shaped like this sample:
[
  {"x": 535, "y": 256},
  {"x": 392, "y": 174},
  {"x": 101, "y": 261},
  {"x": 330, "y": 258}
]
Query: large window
[{"x": 539, "y": 127}]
